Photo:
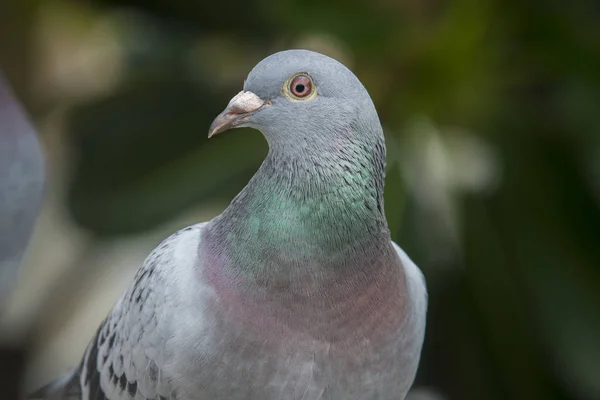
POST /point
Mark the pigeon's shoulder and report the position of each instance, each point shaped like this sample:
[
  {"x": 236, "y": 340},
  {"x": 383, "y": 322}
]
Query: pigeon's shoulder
[
  {"x": 126, "y": 358},
  {"x": 414, "y": 276},
  {"x": 417, "y": 293},
  {"x": 412, "y": 332}
]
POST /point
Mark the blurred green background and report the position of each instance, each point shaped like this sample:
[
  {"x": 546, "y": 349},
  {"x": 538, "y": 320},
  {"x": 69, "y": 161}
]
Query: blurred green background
[{"x": 492, "y": 117}]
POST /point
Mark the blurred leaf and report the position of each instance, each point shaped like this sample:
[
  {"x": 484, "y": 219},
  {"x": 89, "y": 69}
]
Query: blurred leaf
[{"x": 203, "y": 16}]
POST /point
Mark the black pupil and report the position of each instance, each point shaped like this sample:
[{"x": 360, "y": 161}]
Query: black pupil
[{"x": 300, "y": 88}]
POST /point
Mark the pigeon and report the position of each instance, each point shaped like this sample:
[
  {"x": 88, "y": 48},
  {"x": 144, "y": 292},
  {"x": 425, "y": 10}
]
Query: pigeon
[
  {"x": 296, "y": 291},
  {"x": 21, "y": 187}
]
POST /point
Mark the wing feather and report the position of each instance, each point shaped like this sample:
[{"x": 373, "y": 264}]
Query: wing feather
[{"x": 123, "y": 361}]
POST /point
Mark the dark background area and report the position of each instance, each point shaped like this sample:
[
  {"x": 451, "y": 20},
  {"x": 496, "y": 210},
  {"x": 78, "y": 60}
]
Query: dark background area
[{"x": 492, "y": 119}]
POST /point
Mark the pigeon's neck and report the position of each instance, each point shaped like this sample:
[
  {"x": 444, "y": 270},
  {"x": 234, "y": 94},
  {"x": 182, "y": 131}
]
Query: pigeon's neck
[{"x": 305, "y": 209}]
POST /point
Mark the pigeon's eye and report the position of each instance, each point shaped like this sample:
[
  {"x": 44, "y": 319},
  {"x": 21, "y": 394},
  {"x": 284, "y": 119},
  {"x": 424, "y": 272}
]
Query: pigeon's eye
[{"x": 299, "y": 87}]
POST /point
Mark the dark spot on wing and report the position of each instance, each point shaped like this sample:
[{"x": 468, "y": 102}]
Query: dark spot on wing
[
  {"x": 98, "y": 394},
  {"x": 111, "y": 341},
  {"x": 132, "y": 388},
  {"x": 139, "y": 296},
  {"x": 153, "y": 371}
]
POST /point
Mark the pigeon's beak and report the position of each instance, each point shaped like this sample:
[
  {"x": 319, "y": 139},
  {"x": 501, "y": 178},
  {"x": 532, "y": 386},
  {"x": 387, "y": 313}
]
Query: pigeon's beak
[{"x": 239, "y": 109}]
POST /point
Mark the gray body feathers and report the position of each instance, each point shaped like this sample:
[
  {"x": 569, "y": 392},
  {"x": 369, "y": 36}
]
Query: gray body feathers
[{"x": 151, "y": 347}]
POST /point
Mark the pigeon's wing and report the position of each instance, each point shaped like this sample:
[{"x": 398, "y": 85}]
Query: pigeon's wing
[{"x": 125, "y": 359}]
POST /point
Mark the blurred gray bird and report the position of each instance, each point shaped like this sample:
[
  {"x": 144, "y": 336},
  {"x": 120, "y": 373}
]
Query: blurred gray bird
[
  {"x": 21, "y": 187},
  {"x": 296, "y": 290}
]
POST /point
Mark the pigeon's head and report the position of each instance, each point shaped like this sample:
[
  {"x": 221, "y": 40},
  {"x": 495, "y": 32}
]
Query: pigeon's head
[{"x": 301, "y": 97}]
